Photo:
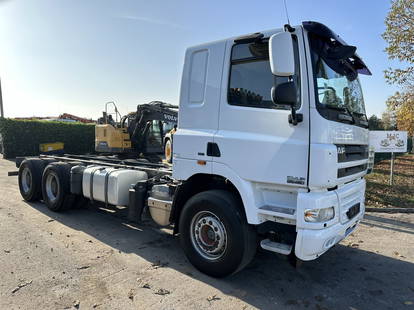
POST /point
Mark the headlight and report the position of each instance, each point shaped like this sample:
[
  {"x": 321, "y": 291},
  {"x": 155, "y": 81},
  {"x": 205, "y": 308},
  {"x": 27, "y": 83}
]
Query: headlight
[{"x": 319, "y": 215}]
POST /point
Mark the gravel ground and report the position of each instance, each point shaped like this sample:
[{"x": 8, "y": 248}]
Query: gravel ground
[{"x": 93, "y": 259}]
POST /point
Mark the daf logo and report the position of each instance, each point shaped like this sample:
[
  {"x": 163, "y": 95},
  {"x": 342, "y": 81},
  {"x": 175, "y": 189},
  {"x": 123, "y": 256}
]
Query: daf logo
[{"x": 341, "y": 150}]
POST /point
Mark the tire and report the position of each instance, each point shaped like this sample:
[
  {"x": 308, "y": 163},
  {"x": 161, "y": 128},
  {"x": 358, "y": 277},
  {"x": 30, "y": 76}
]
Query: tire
[
  {"x": 30, "y": 179},
  {"x": 56, "y": 187},
  {"x": 168, "y": 151},
  {"x": 48, "y": 161},
  {"x": 217, "y": 215}
]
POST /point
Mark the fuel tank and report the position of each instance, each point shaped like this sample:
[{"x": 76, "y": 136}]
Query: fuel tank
[{"x": 110, "y": 185}]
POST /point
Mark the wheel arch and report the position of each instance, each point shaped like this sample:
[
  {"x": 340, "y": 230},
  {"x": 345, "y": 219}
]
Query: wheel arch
[{"x": 199, "y": 183}]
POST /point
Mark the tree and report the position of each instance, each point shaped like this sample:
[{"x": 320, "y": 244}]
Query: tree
[
  {"x": 399, "y": 35},
  {"x": 375, "y": 123},
  {"x": 403, "y": 105},
  {"x": 388, "y": 119}
]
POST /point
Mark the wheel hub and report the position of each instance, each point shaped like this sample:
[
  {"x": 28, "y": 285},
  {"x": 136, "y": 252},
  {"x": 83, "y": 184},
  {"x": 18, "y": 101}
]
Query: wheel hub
[
  {"x": 52, "y": 187},
  {"x": 208, "y": 235},
  {"x": 26, "y": 180}
]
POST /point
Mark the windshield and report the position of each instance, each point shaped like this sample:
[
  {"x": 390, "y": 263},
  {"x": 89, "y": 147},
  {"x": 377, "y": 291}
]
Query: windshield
[
  {"x": 338, "y": 91},
  {"x": 337, "y": 84}
]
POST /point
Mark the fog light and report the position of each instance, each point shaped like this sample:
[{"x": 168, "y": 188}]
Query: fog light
[{"x": 330, "y": 242}]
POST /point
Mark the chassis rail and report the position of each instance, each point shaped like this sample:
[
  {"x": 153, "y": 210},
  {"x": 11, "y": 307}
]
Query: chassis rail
[{"x": 152, "y": 168}]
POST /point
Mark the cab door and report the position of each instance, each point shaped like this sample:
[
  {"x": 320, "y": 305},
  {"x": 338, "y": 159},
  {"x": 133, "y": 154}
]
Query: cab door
[
  {"x": 199, "y": 109},
  {"x": 154, "y": 142},
  {"x": 255, "y": 139}
]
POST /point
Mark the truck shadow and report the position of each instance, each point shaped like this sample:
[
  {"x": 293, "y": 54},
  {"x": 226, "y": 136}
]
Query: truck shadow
[{"x": 343, "y": 278}]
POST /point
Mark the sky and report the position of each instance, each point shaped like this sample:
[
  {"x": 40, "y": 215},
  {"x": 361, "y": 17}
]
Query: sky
[{"x": 72, "y": 56}]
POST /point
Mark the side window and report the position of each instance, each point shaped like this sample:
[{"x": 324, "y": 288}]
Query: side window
[
  {"x": 198, "y": 74},
  {"x": 251, "y": 80}
]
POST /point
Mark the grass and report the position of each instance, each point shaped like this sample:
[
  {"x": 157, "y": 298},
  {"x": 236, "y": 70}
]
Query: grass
[{"x": 380, "y": 194}]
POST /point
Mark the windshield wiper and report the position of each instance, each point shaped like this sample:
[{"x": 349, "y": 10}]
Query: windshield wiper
[
  {"x": 350, "y": 113},
  {"x": 335, "y": 107},
  {"x": 365, "y": 123},
  {"x": 343, "y": 117}
]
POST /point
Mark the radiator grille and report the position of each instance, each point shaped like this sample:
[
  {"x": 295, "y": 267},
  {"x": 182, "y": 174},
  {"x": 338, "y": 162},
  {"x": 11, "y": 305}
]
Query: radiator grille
[
  {"x": 352, "y": 152},
  {"x": 344, "y": 172}
]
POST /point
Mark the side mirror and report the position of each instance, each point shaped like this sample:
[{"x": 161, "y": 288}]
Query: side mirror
[
  {"x": 286, "y": 94},
  {"x": 281, "y": 55}
]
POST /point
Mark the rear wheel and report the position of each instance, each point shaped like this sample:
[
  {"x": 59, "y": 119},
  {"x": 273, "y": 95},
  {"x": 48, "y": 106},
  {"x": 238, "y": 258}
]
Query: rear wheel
[
  {"x": 215, "y": 235},
  {"x": 30, "y": 179},
  {"x": 56, "y": 187}
]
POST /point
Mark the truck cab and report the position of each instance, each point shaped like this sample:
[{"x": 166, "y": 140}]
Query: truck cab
[{"x": 280, "y": 116}]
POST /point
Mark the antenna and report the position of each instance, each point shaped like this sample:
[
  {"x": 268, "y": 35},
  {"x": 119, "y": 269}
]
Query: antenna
[{"x": 286, "y": 11}]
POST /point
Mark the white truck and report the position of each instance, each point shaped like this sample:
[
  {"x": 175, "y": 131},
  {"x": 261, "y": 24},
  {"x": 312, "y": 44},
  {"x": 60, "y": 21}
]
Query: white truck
[{"x": 271, "y": 150}]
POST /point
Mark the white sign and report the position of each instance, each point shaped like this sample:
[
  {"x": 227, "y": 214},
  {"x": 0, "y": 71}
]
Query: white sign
[{"x": 388, "y": 141}]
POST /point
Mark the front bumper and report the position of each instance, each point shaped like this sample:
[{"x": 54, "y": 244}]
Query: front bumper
[
  {"x": 313, "y": 240},
  {"x": 310, "y": 244}
]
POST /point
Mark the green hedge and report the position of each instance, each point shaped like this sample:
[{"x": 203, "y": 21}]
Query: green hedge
[{"x": 22, "y": 137}]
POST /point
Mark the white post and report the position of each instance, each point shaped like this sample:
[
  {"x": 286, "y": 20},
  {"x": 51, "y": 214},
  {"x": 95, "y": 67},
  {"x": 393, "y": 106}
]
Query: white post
[{"x": 392, "y": 169}]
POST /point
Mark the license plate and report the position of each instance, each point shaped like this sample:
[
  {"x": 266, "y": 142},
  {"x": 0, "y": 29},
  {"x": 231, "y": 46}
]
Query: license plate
[{"x": 354, "y": 210}]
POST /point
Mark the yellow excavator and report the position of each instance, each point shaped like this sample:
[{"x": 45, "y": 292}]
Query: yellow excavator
[{"x": 146, "y": 132}]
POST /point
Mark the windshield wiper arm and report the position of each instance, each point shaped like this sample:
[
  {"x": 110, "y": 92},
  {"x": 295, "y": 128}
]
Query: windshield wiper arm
[
  {"x": 343, "y": 117},
  {"x": 335, "y": 107},
  {"x": 350, "y": 113},
  {"x": 365, "y": 122}
]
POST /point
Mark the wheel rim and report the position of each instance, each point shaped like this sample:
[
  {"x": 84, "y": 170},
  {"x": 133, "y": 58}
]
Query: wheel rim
[
  {"x": 52, "y": 186},
  {"x": 167, "y": 150},
  {"x": 208, "y": 235},
  {"x": 26, "y": 180}
]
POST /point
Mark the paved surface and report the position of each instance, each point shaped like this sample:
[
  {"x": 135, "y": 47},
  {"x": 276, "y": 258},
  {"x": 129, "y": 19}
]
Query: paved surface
[{"x": 91, "y": 259}]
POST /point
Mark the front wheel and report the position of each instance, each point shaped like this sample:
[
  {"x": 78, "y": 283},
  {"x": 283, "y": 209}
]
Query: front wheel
[{"x": 215, "y": 235}]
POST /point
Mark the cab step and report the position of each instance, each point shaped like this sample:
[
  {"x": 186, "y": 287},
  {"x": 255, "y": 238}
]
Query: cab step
[
  {"x": 281, "y": 248},
  {"x": 279, "y": 211}
]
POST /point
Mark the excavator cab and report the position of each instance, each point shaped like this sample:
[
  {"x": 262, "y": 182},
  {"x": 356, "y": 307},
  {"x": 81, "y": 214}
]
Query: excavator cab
[{"x": 156, "y": 135}]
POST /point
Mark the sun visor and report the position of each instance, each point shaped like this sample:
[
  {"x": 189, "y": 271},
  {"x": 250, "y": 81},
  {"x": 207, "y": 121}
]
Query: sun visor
[{"x": 331, "y": 38}]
